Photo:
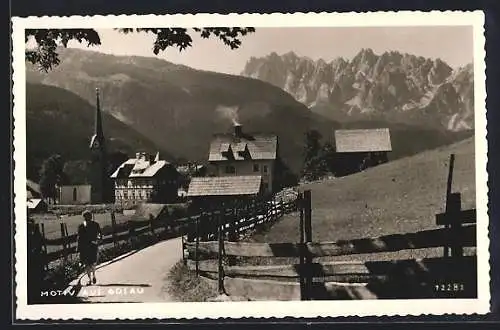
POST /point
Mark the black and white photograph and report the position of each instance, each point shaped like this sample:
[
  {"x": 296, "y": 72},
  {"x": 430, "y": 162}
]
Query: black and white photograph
[{"x": 310, "y": 165}]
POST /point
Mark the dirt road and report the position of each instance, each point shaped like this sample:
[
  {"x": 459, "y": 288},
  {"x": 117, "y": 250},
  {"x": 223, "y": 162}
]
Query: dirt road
[{"x": 138, "y": 276}]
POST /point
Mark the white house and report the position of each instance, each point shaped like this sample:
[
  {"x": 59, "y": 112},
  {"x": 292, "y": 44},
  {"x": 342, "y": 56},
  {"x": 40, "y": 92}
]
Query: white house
[
  {"x": 146, "y": 179},
  {"x": 74, "y": 194}
]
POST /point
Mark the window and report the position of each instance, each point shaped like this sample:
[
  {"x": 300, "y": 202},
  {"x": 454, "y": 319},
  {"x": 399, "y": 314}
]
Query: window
[
  {"x": 230, "y": 169},
  {"x": 74, "y": 194},
  {"x": 256, "y": 167},
  {"x": 265, "y": 168}
]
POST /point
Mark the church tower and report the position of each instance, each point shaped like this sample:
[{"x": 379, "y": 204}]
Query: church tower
[{"x": 99, "y": 175}]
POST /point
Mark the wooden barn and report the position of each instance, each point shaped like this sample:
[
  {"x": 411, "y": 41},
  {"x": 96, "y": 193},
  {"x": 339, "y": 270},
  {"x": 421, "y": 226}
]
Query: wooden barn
[
  {"x": 209, "y": 192},
  {"x": 358, "y": 149}
]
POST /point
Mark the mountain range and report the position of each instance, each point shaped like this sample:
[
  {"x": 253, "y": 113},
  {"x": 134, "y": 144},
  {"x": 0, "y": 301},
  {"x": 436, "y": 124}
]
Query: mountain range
[
  {"x": 393, "y": 87},
  {"x": 152, "y": 104}
]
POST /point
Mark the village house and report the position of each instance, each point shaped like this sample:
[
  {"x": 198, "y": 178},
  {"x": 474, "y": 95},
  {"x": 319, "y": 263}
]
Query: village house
[
  {"x": 74, "y": 194},
  {"x": 145, "y": 179},
  {"x": 242, "y": 154},
  {"x": 34, "y": 201},
  {"x": 358, "y": 149}
]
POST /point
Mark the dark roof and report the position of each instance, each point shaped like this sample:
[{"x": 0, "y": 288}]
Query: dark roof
[
  {"x": 363, "y": 140},
  {"x": 33, "y": 189},
  {"x": 225, "y": 186},
  {"x": 249, "y": 146}
]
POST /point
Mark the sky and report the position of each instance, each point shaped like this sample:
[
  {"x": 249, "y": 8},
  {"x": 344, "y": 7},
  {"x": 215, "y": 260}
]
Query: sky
[{"x": 453, "y": 44}]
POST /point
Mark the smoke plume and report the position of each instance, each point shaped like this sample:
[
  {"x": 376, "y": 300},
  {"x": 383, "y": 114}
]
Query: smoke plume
[{"x": 228, "y": 112}]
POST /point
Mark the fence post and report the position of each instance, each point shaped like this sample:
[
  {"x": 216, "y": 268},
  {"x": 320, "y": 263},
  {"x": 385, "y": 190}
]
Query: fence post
[
  {"x": 131, "y": 232},
  {"x": 308, "y": 234},
  {"x": 183, "y": 244},
  {"x": 197, "y": 238},
  {"x": 68, "y": 243},
  {"x": 220, "y": 270},
  {"x": 113, "y": 228},
  {"x": 234, "y": 223},
  {"x": 302, "y": 245},
  {"x": 64, "y": 243},
  {"x": 232, "y": 234},
  {"x": 44, "y": 248},
  {"x": 151, "y": 224},
  {"x": 166, "y": 226},
  {"x": 446, "y": 249},
  {"x": 454, "y": 207}
]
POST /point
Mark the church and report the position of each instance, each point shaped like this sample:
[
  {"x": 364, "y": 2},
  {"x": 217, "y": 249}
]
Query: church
[{"x": 93, "y": 186}]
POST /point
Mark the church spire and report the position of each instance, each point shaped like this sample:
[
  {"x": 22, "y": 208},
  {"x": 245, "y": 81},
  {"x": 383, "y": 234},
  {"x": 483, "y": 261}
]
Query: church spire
[
  {"x": 98, "y": 137},
  {"x": 98, "y": 119}
]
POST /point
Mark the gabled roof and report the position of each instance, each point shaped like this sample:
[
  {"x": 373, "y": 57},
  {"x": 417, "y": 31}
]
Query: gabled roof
[
  {"x": 258, "y": 146},
  {"x": 363, "y": 140},
  {"x": 225, "y": 186},
  {"x": 139, "y": 168},
  {"x": 33, "y": 203},
  {"x": 33, "y": 189}
]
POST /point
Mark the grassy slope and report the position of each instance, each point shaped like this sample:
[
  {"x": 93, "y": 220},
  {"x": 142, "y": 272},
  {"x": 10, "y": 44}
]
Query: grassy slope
[{"x": 398, "y": 197}]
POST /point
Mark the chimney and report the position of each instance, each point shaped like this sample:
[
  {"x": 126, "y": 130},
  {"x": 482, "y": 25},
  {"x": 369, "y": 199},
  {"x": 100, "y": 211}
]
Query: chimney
[{"x": 238, "y": 130}]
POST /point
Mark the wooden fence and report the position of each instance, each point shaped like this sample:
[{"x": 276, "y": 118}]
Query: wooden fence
[
  {"x": 235, "y": 219},
  {"x": 454, "y": 275}
]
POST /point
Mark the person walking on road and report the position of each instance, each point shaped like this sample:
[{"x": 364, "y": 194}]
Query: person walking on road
[{"x": 89, "y": 235}]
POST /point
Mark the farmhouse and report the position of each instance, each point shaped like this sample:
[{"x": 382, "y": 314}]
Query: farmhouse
[
  {"x": 242, "y": 154},
  {"x": 36, "y": 205},
  {"x": 145, "y": 179},
  {"x": 358, "y": 149},
  {"x": 34, "y": 201}
]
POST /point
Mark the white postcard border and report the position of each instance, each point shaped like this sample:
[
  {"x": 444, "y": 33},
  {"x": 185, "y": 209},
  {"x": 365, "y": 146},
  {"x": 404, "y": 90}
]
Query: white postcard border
[{"x": 266, "y": 309}]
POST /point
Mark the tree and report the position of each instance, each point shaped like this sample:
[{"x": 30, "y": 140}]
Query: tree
[
  {"x": 45, "y": 54},
  {"x": 312, "y": 144},
  {"x": 51, "y": 175},
  {"x": 329, "y": 156},
  {"x": 284, "y": 177},
  {"x": 315, "y": 165}
]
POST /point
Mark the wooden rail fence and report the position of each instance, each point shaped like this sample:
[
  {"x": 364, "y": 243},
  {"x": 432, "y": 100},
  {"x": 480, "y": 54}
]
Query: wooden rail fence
[
  {"x": 235, "y": 220},
  {"x": 454, "y": 275}
]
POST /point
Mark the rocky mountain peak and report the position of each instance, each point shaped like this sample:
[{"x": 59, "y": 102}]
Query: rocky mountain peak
[{"x": 392, "y": 85}]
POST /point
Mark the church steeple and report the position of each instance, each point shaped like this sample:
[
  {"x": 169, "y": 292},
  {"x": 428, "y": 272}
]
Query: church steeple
[
  {"x": 100, "y": 185},
  {"x": 97, "y": 142}
]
